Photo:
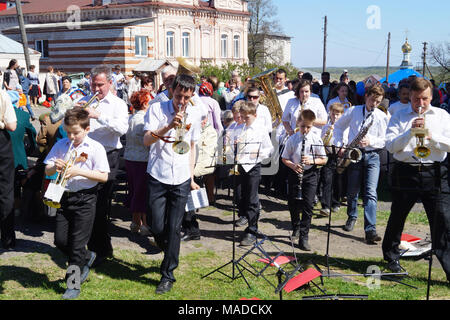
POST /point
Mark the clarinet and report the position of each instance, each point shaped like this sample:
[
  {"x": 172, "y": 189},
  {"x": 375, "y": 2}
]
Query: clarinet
[{"x": 299, "y": 195}]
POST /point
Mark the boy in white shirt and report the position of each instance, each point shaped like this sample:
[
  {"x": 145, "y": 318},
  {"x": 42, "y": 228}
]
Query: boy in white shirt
[
  {"x": 75, "y": 218},
  {"x": 303, "y": 152},
  {"x": 253, "y": 145}
]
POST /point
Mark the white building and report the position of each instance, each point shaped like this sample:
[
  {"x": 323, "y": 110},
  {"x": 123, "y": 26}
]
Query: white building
[
  {"x": 75, "y": 35},
  {"x": 277, "y": 49}
]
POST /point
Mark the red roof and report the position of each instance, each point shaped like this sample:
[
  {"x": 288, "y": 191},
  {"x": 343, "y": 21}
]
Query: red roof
[{"x": 41, "y": 6}]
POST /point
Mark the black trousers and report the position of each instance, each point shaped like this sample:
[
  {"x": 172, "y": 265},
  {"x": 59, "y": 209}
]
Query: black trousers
[
  {"x": 100, "y": 241},
  {"x": 8, "y": 236},
  {"x": 249, "y": 203},
  {"x": 305, "y": 206},
  {"x": 168, "y": 203},
  {"x": 431, "y": 185},
  {"x": 332, "y": 187},
  {"x": 74, "y": 221}
]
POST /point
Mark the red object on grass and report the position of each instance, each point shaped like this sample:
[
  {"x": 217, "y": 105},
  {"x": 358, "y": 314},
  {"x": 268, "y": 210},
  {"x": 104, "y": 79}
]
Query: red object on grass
[
  {"x": 46, "y": 104},
  {"x": 301, "y": 279},
  {"x": 409, "y": 238},
  {"x": 250, "y": 298},
  {"x": 279, "y": 260}
]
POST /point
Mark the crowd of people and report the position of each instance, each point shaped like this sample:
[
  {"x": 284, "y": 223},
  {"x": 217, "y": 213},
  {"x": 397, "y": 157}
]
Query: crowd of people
[{"x": 189, "y": 134}]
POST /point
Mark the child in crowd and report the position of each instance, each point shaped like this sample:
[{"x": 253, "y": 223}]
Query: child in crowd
[
  {"x": 75, "y": 218},
  {"x": 329, "y": 175},
  {"x": 403, "y": 95},
  {"x": 303, "y": 152}
]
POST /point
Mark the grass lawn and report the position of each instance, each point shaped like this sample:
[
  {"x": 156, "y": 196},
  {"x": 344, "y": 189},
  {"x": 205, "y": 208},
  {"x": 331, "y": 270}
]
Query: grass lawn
[{"x": 134, "y": 276}]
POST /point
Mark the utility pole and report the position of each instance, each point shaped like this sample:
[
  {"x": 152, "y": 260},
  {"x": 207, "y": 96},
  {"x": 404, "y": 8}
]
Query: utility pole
[
  {"x": 23, "y": 33},
  {"x": 324, "y": 45},
  {"x": 424, "y": 57},
  {"x": 388, "y": 53}
]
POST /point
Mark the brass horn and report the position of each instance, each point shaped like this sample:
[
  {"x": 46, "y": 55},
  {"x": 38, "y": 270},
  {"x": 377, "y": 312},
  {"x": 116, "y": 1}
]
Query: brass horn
[{"x": 185, "y": 67}]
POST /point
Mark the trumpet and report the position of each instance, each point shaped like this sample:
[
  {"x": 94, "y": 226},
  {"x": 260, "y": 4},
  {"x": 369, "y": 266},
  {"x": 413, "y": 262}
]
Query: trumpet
[
  {"x": 56, "y": 188},
  {"x": 180, "y": 146},
  {"x": 91, "y": 101},
  {"x": 420, "y": 133}
]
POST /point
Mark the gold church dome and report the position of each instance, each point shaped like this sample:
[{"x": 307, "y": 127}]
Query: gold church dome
[{"x": 406, "y": 48}]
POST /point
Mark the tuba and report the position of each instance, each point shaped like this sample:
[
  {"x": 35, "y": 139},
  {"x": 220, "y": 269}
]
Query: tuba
[
  {"x": 185, "y": 67},
  {"x": 420, "y": 133},
  {"x": 56, "y": 188},
  {"x": 266, "y": 83}
]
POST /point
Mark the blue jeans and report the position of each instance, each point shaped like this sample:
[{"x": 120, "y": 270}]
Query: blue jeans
[{"x": 365, "y": 173}]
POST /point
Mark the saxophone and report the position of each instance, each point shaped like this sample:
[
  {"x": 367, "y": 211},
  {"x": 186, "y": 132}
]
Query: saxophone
[
  {"x": 299, "y": 195},
  {"x": 352, "y": 153}
]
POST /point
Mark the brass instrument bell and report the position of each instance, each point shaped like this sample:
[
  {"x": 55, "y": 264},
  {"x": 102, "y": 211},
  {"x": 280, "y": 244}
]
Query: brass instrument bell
[{"x": 420, "y": 133}]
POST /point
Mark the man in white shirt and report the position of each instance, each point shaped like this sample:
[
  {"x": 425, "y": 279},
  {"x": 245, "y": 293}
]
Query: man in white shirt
[
  {"x": 171, "y": 173},
  {"x": 108, "y": 122},
  {"x": 118, "y": 81},
  {"x": 357, "y": 118},
  {"x": 403, "y": 103},
  {"x": 264, "y": 118},
  {"x": 414, "y": 177}
]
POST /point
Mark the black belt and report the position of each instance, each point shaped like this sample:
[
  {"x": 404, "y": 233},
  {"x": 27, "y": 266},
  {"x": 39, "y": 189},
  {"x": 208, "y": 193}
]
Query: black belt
[
  {"x": 312, "y": 169},
  {"x": 92, "y": 190},
  {"x": 370, "y": 151}
]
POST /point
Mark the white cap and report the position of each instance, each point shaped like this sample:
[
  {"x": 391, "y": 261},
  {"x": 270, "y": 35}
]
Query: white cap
[{"x": 345, "y": 70}]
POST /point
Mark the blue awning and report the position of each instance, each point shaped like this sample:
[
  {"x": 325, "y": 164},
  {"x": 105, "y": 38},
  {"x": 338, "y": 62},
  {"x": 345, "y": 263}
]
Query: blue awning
[{"x": 401, "y": 74}]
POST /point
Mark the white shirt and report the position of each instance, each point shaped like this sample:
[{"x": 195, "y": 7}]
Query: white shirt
[
  {"x": 401, "y": 143},
  {"x": 393, "y": 108},
  {"x": 353, "y": 119},
  {"x": 7, "y": 113},
  {"x": 96, "y": 160},
  {"x": 313, "y": 148},
  {"x": 164, "y": 164},
  {"x": 112, "y": 123},
  {"x": 337, "y": 100},
  {"x": 118, "y": 81},
  {"x": 293, "y": 109},
  {"x": 264, "y": 118},
  {"x": 135, "y": 150},
  {"x": 253, "y": 143}
]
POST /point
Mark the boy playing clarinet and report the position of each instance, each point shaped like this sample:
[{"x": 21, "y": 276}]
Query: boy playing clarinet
[{"x": 303, "y": 152}]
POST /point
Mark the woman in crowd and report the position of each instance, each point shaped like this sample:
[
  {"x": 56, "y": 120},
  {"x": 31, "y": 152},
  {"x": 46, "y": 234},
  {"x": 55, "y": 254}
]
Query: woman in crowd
[
  {"x": 11, "y": 76},
  {"x": 136, "y": 159},
  {"x": 34, "y": 90}
]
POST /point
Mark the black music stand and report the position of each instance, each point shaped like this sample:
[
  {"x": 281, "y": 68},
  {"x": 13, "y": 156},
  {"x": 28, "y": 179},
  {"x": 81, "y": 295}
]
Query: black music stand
[
  {"x": 437, "y": 187},
  {"x": 236, "y": 264}
]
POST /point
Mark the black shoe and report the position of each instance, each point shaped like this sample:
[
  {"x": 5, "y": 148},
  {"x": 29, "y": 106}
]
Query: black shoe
[
  {"x": 84, "y": 275},
  {"x": 164, "y": 286},
  {"x": 394, "y": 266},
  {"x": 248, "y": 239},
  {"x": 189, "y": 237},
  {"x": 303, "y": 244},
  {"x": 335, "y": 209},
  {"x": 92, "y": 256},
  {"x": 324, "y": 212},
  {"x": 350, "y": 224},
  {"x": 242, "y": 221},
  {"x": 296, "y": 233},
  {"x": 101, "y": 259},
  {"x": 372, "y": 237},
  {"x": 71, "y": 294}
]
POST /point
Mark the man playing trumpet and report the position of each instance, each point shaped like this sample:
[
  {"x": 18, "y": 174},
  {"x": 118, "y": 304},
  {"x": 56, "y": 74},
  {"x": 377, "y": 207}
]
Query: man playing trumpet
[{"x": 419, "y": 174}]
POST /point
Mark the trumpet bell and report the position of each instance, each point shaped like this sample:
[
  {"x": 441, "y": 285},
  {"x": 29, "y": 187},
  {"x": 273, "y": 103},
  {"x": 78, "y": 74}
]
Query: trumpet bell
[
  {"x": 181, "y": 147},
  {"x": 422, "y": 152},
  {"x": 185, "y": 67}
]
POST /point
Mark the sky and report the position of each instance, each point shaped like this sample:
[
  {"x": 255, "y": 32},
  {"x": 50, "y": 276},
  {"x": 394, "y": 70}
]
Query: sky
[{"x": 357, "y": 30}]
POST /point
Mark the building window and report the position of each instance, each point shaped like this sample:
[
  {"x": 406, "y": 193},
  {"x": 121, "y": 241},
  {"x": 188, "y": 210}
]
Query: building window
[
  {"x": 170, "y": 40},
  {"x": 42, "y": 47},
  {"x": 185, "y": 44},
  {"x": 224, "y": 46},
  {"x": 237, "y": 46},
  {"x": 141, "y": 46}
]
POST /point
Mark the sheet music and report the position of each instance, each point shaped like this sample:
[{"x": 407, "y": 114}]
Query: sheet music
[{"x": 197, "y": 199}]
